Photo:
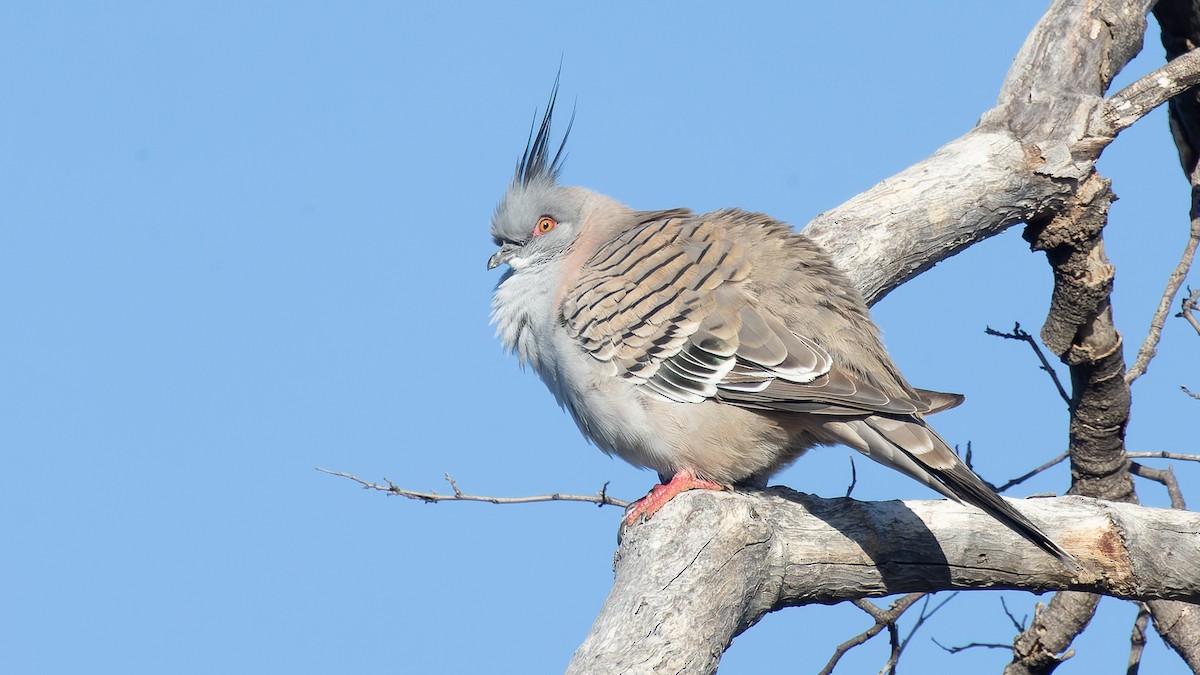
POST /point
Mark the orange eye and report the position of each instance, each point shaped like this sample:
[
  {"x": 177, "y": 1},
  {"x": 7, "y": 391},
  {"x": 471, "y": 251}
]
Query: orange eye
[{"x": 544, "y": 225}]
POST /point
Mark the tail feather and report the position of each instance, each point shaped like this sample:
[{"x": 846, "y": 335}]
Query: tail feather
[{"x": 913, "y": 448}]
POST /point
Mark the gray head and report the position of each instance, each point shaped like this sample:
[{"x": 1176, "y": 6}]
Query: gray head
[{"x": 537, "y": 218}]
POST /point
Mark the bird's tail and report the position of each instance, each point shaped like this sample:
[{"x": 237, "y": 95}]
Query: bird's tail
[{"x": 910, "y": 446}]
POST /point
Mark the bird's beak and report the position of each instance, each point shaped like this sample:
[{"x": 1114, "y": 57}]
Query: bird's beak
[{"x": 502, "y": 255}]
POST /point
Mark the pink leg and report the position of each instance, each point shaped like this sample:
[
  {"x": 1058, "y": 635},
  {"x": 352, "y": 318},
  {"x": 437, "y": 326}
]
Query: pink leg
[{"x": 685, "y": 479}]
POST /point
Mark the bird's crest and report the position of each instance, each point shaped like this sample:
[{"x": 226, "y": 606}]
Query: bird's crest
[{"x": 537, "y": 161}]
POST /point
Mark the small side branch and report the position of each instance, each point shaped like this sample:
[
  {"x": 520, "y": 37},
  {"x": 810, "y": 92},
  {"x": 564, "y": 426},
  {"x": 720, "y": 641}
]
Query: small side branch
[
  {"x": 925, "y": 615},
  {"x": 1164, "y": 455},
  {"x": 601, "y": 498},
  {"x": 1187, "y": 308},
  {"x": 1132, "y": 103},
  {"x": 1018, "y": 334},
  {"x": 1166, "y": 477},
  {"x": 973, "y": 645},
  {"x": 883, "y": 619},
  {"x": 1046, "y": 643},
  {"x": 1137, "y": 640},
  {"x": 1022, "y": 478},
  {"x": 1149, "y": 346}
]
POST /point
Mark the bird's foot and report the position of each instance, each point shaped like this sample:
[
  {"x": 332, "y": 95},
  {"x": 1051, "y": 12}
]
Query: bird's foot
[{"x": 684, "y": 480}]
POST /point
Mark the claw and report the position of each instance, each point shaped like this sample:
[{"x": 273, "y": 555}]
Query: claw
[{"x": 684, "y": 480}]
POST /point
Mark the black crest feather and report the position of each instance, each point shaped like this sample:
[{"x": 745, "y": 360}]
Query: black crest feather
[{"x": 537, "y": 161}]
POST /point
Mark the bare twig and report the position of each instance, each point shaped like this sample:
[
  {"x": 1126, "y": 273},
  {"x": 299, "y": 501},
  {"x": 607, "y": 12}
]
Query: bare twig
[
  {"x": 601, "y": 498},
  {"x": 1189, "y": 392},
  {"x": 1149, "y": 346},
  {"x": 1137, "y": 640},
  {"x": 853, "y": 477},
  {"x": 1018, "y": 334},
  {"x": 887, "y": 619},
  {"x": 1166, "y": 477},
  {"x": 889, "y": 668},
  {"x": 1019, "y": 625},
  {"x": 1021, "y": 479},
  {"x": 973, "y": 645},
  {"x": 883, "y": 619},
  {"x": 924, "y": 616}
]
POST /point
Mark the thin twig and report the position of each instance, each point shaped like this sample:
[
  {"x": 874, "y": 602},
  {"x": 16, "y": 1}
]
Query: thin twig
[
  {"x": 889, "y": 668},
  {"x": 1189, "y": 392},
  {"x": 1019, "y": 625},
  {"x": 1021, "y": 479},
  {"x": 924, "y": 616},
  {"x": 1018, "y": 334},
  {"x": 973, "y": 645},
  {"x": 1149, "y": 346},
  {"x": 601, "y": 498},
  {"x": 883, "y": 618},
  {"x": 1166, "y": 477},
  {"x": 1137, "y": 640}
]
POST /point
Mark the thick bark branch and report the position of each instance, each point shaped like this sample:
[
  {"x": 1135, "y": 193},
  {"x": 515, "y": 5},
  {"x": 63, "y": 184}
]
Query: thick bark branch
[
  {"x": 710, "y": 565},
  {"x": 1080, "y": 331}
]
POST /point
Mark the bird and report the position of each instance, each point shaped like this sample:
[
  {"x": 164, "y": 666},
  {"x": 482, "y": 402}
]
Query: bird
[{"x": 714, "y": 348}]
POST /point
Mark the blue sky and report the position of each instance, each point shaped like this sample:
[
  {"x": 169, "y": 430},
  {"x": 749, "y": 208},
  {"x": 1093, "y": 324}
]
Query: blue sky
[{"x": 242, "y": 240}]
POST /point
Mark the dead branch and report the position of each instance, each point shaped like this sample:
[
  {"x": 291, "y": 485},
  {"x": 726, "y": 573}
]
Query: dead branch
[
  {"x": 1030, "y": 474},
  {"x": 925, "y": 615},
  {"x": 1130, "y": 104},
  {"x": 1187, "y": 308},
  {"x": 1018, "y": 334},
  {"x": 710, "y": 564},
  {"x": 1164, "y": 455},
  {"x": 883, "y": 619},
  {"x": 1019, "y": 625},
  {"x": 601, "y": 498},
  {"x": 1149, "y": 346},
  {"x": 1166, "y": 477},
  {"x": 1046, "y": 643},
  {"x": 972, "y": 645},
  {"x": 1137, "y": 639}
]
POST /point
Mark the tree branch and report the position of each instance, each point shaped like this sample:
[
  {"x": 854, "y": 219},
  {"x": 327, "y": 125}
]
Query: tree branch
[
  {"x": 1045, "y": 644},
  {"x": 1166, "y": 477},
  {"x": 601, "y": 498},
  {"x": 1018, "y": 334},
  {"x": 883, "y": 619},
  {"x": 1026, "y": 157},
  {"x": 711, "y": 564},
  {"x": 1150, "y": 91},
  {"x": 1026, "y": 476},
  {"x": 1137, "y": 640},
  {"x": 1164, "y": 455},
  {"x": 1149, "y": 346},
  {"x": 1187, "y": 308}
]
